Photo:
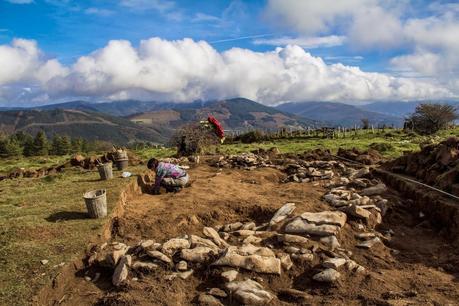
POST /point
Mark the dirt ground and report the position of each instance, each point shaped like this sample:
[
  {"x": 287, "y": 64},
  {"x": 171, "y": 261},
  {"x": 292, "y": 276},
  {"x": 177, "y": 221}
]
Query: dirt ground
[{"x": 424, "y": 269}]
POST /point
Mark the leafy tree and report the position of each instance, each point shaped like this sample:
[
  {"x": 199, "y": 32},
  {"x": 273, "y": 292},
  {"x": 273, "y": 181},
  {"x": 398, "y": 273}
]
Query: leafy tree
[
  {"x": 61, "y": 145},
  {"x": 77, "y": 145},
  {"x": 430, "y": 118},
  {"x": 29, "y": 147},
  {"x": 10, "y": 146},
  {"x": 40, "y": 144}
]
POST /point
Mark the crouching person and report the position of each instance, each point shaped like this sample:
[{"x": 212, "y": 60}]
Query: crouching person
[{"x": 168, "y": 175}]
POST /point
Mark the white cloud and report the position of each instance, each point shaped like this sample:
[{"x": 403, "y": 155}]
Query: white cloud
[
  {"x": 159, "y": 5},
  {"x": 98, "y": 11},
  {"x": 425, "y": 37},
  {"x": 186, "y": 70},
  {"x": 20, "y": 1},
  {"x": 201, "y": 17},
  {"x": 305, "y": 42}
]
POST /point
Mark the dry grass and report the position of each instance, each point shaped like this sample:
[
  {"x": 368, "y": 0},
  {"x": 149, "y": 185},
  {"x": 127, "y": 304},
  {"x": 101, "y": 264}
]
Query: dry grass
[{"x": 45, "y": 219}]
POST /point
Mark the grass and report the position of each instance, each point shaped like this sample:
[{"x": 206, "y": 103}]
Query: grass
[
  {"x": 395, "y": 142},
  {"x": 33, "y": 162},
  {"x": 45, "y": 219}
]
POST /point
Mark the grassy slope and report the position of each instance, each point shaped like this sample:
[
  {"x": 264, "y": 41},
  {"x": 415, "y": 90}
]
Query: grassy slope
[
  {"x": 29, "y": 231},
  {"x": 398, "y": 140}
]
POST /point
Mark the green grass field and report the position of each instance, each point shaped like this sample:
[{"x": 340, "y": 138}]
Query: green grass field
[{"x": 45, "y": 219}]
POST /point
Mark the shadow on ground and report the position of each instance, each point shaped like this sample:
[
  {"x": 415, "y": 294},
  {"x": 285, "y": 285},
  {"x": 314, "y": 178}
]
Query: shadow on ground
[{"x": 67, "y": 215}]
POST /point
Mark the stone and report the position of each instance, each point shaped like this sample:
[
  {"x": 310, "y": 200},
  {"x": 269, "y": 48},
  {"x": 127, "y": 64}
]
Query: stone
[
  {"x": 249, "y": 292},
  {"x": 327, "y": 276},
  {"x": 300, "y": 226},
  {"x": 230, "y": 275},
  {"x": 44, "y": 261},
  {"x": 121, "y": 271},
  {"x": 141, "y": 265},
  {"x": 354, "y": 267},
  {"x": 115, "y": 256},
  {"x": 197, "y": 241},
  {"x": 249, "y": 249},
  {"x": 160, "y": 256},
  {"x": 243, "y": 233},
  {"x": 383, "y": 206},
  {"x": 181, "y": 266},
  {"x": 334, "y": 263},
  {"x": 257, "y": 263},
  {"x": 147, "y": 244},
  {"x": 251, "y": 239},
  {"x": 218, "y": 292},
  {"x": 360, "y": 173},
  {"x": 232, "y": 227},
  {"x": 331, "y": 242},
  {"x": 208, "y": 300},
  {"x": 357, "y": 211},
  {"x": 292, "y": 250},
  {"x": 303, "y": 257},
  {"x": 374, "y": 190},
  {"x": 212, "y": 234},
  {"x": 368, "y": 244},
  {"x": 296, "y": 296},
  {"x": 173, "y": 245},
  {"x": 198, "y": 254},
  {"x": 87, "y": 278},
  {"x": 293, "y": 239},
  {"x": 282, "y": 213},
  {"x": 249, "y": 226},
  {"x": 365, "y": 236},
  {"x": 365, "y": 200},
  {"x": 325, "y": 217},
  {"x": 286, "y": 262},
  {"x": 185, "y": 275}
]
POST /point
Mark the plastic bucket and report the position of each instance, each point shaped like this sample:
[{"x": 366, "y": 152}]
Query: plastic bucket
[
  {"x": 122, "y": 164},
  {"x": 105, "y": 171},
  {"x": 96, "y": 203},
  {"x": 121, "y": 155}
]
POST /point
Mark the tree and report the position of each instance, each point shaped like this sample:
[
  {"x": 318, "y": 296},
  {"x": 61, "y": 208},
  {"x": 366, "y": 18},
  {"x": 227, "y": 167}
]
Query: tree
[
  {"x": 365, "y": 123},
  {"x": 40, "y": 144},
  {"x": 10, "y": 146},
  {"x": 430, "y": 118},
  {"x": 77, "y": 145},
  {"x": 192, "y": 139},
  {"x": 29, "y": 148},
  {"x": 60, "y": 145}
]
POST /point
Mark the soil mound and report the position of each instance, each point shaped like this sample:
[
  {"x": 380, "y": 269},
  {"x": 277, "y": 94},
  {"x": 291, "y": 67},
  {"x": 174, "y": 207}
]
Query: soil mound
[
  {"x": 368, "y": 157},
  {"x": 435, "y": 164}
]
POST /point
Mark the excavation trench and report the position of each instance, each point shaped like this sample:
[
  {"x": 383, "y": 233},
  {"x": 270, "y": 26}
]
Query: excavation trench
[{"x": 418, "y": 265}]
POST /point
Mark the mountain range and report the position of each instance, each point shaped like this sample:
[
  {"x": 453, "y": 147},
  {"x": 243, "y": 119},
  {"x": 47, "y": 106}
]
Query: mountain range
[{"x": 127, "y": 121}]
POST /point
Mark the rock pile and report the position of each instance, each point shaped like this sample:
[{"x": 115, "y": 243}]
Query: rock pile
[
  {"x": 302, "y": 241},
  {"x": 299, "y": 168},
  {"x": 436, "y": 164}
]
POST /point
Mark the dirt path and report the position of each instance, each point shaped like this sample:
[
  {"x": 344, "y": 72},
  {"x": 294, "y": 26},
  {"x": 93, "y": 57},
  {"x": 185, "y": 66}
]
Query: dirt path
[{"x": 423, "y": 270}]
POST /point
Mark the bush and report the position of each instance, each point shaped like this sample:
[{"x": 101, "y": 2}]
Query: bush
[
  {"x": 252, "y": 136},
  {"x": 382, "y": 147},
  {"x": 430, "y": 118},
  {"x": 192, "y": 139}
]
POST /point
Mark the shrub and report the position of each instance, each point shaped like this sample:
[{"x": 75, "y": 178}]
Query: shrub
[
  {"x": 252, "y": 136},
  {"x": 192, "y": 139},
  {"x": 430, "y": 118}
]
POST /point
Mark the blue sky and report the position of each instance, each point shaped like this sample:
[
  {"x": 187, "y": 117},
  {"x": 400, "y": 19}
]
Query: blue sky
[{"x": 408, "y": 44}]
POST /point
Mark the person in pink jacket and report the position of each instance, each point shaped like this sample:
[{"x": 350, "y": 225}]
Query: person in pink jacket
[{"x": 168, "y": 175}]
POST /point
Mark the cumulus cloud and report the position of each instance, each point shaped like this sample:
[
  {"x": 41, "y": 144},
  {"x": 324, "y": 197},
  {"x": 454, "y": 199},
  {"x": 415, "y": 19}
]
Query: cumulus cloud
[
  {"x": 426, "y": 39},
  {"x": 186, "y": 70},
  {"x": 305, "y": 42}
]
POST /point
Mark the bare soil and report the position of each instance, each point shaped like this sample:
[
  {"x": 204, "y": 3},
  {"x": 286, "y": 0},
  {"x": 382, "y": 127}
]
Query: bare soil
[{"x": 423, "y": 271}]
